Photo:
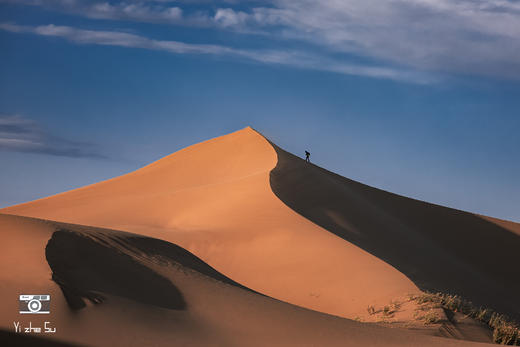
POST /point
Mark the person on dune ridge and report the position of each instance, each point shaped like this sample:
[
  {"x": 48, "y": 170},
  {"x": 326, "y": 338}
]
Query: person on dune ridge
[{"x": 307, "y": 155}]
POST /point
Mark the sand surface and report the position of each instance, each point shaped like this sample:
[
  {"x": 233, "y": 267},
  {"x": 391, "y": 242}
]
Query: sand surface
[
  {"x": 266, "y": 223},
  {"x": 150, "y": 292}
]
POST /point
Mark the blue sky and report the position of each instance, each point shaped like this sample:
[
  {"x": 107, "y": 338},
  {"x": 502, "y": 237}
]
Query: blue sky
[{"x": 418, "y": 97}]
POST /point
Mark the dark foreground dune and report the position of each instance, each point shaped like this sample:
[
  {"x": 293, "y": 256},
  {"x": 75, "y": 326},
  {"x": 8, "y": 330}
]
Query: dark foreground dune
[
  {"x": 12, "y": 339},
  {"x": 438, "y": 248},
  {"x": 84, "y": 265}
]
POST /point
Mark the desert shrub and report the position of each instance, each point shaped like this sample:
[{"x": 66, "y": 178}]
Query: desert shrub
[
  {"x": 484, "y": 314},
  {"x": 431, "y": 317},
  {"x": 395, "y": 305},
  {"x": 505, "y": 331}
]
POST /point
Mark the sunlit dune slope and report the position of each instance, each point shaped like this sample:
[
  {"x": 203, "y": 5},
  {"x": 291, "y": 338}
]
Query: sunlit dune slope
[
  {"x": 151, "y": 292},
  {"x": 439, "y": 248},
  {"x": 215, "y": 200}
]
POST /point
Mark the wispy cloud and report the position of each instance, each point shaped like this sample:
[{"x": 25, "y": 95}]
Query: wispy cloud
[
  {"x": 23, "y": 135},
  {"x": 477, "y": 37},
  {"x": 291, "y": 58},
  {"x": 153, "y": 11}
]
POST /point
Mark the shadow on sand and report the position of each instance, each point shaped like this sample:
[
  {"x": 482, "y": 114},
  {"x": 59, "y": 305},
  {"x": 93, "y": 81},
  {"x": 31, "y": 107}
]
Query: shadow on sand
[
  {"x": 438, "y": 248},
  {"x": 85, "y": 268}
]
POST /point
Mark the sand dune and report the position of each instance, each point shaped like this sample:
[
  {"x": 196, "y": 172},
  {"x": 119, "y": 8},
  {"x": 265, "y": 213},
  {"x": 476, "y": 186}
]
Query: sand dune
[
  {"x": 150, "y": 292},
  {"x": 214, "y": 199},
  {"x": 262, "y": 222}
]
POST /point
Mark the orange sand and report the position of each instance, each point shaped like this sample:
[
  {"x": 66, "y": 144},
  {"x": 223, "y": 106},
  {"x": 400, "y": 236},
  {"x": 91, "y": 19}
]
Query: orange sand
[
  {"x": 217, "y": 200},
  {"x": 215, "y": 314},
  {"x": 214, "y": 199}
]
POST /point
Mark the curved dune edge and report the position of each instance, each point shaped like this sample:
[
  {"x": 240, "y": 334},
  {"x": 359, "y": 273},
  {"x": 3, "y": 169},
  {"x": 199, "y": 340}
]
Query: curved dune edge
[
  {"x": 215, "y": 313},
  {"x": 505, "y": 224},
  {"x": 214, "y": 199},
  {"x": 439, "y": 248}
]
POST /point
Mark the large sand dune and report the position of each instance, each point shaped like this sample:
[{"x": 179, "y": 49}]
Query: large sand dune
[
  {"x": 215, "y": 200},
  {"x": 267, "y": 223}
]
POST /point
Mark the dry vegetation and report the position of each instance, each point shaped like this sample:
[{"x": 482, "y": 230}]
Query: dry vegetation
[
  {"x": 387, "y": 310},
  {"x": 505, "y": 331}
]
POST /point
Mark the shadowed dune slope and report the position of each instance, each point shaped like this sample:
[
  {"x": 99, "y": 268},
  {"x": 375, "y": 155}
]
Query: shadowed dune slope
[
  {"x": 439, "y": 248},
  {"x": 12, "y": 339},
  {"x": 82, "y": 266},
  {"x": 214, "y": 200},
  {"x": 112, "y": 264}
]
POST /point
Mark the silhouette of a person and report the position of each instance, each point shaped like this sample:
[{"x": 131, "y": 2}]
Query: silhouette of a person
[{"x": 307, "y": 155}]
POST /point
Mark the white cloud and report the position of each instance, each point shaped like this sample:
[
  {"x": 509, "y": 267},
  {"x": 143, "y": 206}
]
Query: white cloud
[
  {"x": 280, "y": 57},
  {"x": 479, "y": 37},
  {"x": 133, "y": 11},
  {"x": 143, "y": 11},
  {"x": 226, "y": 17}
]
